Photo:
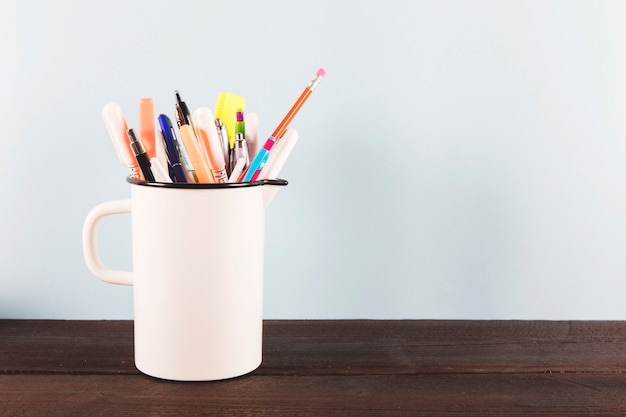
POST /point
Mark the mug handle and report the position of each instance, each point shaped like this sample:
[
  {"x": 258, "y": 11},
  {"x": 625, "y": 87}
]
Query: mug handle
[{"x": 90, "y": 249}]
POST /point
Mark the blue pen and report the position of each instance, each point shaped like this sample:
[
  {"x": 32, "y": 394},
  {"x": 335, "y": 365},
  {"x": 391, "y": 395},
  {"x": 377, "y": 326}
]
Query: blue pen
[{"x": 171, "y": 149}]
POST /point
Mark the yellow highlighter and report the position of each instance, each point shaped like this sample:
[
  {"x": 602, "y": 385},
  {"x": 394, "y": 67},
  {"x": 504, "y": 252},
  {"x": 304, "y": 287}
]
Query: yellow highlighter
[{"x": 226, "y": 110}]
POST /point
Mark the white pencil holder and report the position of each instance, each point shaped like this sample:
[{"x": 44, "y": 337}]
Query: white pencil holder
[{"x": 197, "y": 278}]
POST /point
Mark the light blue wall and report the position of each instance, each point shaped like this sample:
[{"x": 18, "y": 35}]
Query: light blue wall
[{"x": 462, "y": 159}]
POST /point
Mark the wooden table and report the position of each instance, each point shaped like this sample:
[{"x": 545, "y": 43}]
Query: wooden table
[{"x": 328, "y": 368}]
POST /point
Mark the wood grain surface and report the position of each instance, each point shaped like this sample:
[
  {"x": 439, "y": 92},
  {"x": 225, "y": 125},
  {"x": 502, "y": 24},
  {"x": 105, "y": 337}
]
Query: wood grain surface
[{"x": 328, "y": 368}]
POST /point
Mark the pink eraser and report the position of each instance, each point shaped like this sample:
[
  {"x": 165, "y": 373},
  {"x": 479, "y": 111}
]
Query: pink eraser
[{"x": 321, "y": 72}]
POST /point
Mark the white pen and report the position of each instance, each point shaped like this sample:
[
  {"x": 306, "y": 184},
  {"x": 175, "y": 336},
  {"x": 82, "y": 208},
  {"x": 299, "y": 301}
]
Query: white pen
[
  {"x": 159, "y": 172},
  {"x": 279, "y": 155},
  {"x": 237, "y": 170}
]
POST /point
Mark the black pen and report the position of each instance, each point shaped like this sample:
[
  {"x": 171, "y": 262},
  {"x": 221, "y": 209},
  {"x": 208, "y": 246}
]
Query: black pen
[
  {"x": 183, "y": 115},
  {"x": 141, "y": 155}
]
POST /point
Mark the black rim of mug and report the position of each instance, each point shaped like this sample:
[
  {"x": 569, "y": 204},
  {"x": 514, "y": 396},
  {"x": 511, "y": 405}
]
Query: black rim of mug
[{"x": 136, "y": 181}]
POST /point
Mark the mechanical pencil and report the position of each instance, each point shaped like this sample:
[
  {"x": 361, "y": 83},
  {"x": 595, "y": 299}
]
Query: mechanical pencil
[{"x": 239, "y": 151}]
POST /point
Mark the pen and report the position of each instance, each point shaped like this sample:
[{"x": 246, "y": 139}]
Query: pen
[
  {"x": 172, "y": 149},
  {"x": 261, "y": 157},
  {"x": 240, "y": 130},
  {"x": 237, "y": 170},
  {"x": 160, "y": 174},
  {"x": 141, "y": 155},
  {"x": 223, "y": 137},
  {"x": 159, "y": 146},
  {"x": 207, "y": 134},
  {"x": 183, "y": 110},
  {"x": 117, "y": 128},
  {"x": 239, "y": 151},
  {"x": 191, "y": 143}
]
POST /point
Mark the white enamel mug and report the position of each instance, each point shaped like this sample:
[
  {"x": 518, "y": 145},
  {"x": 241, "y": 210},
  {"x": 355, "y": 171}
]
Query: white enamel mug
[{"x": 197, "y": 276}]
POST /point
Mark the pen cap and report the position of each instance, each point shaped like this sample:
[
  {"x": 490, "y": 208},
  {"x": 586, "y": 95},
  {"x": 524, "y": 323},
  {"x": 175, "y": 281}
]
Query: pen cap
[{"x": 116, "y": 126}]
